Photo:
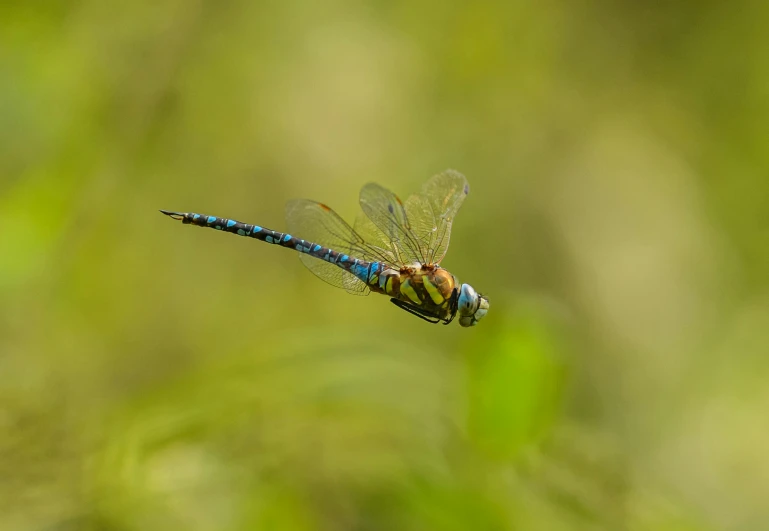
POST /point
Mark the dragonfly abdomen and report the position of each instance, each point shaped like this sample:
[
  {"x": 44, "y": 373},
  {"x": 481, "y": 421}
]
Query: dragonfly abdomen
[{"x": 363, "y": 270}]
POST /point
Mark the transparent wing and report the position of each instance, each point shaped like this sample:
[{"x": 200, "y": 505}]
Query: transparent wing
[
  {"x": 366, "y": 229},
  {"x": 390, "y": 224},
  {"x": 431, "y": 212},
  {"x": 317, "y": 223}
]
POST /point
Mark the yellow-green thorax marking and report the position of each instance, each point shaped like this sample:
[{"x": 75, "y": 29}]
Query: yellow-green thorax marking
[{"x": 428, "y": 287}]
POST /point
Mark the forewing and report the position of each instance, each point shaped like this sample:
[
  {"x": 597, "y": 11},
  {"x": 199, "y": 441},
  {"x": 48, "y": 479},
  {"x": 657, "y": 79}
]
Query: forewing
[
  {"x": 386, "y": 212},
  {"x": 432, "y": 211}
]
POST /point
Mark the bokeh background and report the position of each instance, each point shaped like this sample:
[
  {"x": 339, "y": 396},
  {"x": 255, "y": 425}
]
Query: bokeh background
[{"x": 156, "y": 376}]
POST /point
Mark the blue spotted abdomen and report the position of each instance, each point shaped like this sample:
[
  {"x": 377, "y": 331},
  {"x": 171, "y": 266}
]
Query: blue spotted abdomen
[{"x": 365, "y": 271}]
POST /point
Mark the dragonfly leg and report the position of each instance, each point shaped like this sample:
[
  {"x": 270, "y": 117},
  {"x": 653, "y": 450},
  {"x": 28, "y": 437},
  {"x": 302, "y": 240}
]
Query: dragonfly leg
[
  {"x": 453, "y": 305},
  {"x": 419, "y": 312}
]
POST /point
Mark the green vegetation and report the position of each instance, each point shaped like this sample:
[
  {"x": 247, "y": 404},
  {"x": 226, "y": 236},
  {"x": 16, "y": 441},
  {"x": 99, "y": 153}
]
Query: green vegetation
[{"x": 155, "y": 376}]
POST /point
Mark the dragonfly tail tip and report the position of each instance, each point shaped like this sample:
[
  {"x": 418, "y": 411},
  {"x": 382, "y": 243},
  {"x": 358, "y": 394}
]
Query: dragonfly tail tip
[{"x": 175, "y": 215}]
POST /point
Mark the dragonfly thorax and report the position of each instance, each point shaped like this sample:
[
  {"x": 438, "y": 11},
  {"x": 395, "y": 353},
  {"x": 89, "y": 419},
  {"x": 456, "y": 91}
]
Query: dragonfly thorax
[{"x": 472, "y": 306}]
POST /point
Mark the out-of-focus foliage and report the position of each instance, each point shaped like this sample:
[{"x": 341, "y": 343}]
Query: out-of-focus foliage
[{"x": 155, "y": 376}]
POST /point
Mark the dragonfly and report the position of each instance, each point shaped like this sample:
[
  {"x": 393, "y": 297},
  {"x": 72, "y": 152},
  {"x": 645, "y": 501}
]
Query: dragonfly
[{"x": 393, "y": 248}]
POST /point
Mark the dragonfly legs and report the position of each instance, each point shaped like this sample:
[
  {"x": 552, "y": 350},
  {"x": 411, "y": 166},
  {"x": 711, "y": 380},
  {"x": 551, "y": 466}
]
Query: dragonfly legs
[{"x": 419, "y": 312}]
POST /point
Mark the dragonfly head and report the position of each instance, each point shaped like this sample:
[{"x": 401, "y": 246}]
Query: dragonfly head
[{"x": 472, "y": 306}]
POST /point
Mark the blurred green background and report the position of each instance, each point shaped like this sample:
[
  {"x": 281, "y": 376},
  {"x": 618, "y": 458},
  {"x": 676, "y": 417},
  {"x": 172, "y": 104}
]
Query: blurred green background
[{"x": 154, "y": 376}]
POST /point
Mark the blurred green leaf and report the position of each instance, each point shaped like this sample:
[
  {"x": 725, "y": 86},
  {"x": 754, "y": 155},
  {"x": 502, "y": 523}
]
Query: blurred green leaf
[{"x": 515, "y": 377}]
